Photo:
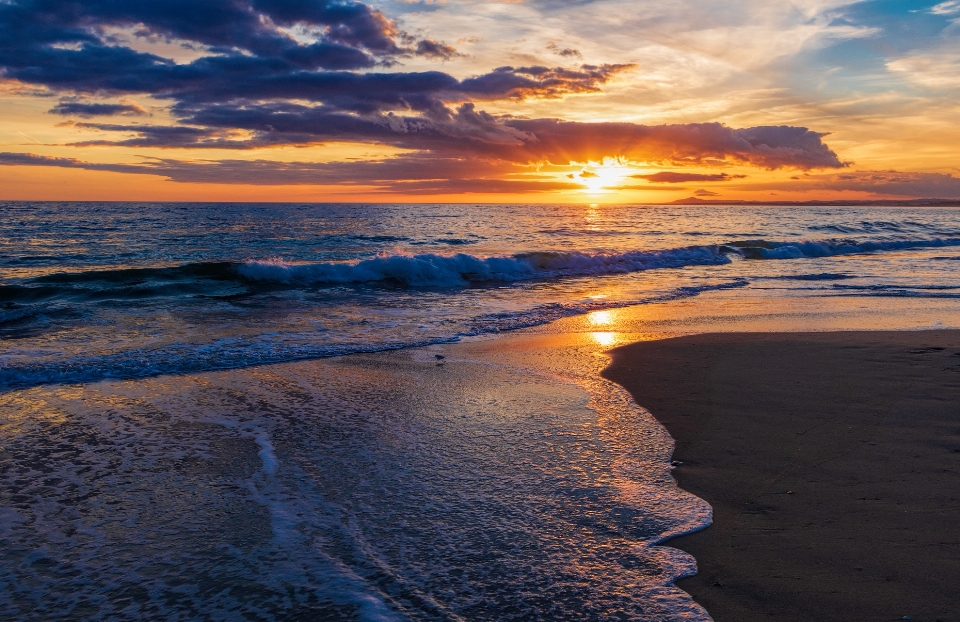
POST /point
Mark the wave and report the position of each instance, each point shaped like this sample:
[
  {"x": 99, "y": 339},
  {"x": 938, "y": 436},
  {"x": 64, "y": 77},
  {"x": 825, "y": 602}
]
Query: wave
[
  {"x": 763, "y": 249},
  {"x": 432, "y": 270},
  {"x": 896, "y": 290},
  {"x": 205, "y": 269},
  {"x": 224, "y": 279},
  {"x": 878, "y": 226},
  {"x": 822, "y": 276},
  {"x": 125, "y": 283}
]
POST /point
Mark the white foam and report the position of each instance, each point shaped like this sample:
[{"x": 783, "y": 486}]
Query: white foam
[
  {"x": 461, "y": 269},
  {"x": 267, "y": 453}
]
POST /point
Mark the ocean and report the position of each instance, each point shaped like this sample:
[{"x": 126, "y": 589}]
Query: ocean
[{"x": 340, "y": 411}]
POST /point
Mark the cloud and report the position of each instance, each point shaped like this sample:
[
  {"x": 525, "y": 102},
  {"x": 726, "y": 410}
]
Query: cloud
[
  {"x": 31, "y": 159},
  {"x": 705, "y": 193},
  {"x": 435, "y": 49},
  {"x": 565, "y": 52},
  {"x": 951, "y": 7},
  {"x": 406, "y": 173},
  {"x": 467, "y": 131},
  {"x": 936, "y": 70},
  {"x": 908, "y": 184},
  {"x": 913, "y": 184},
  {"x": 672, "y": 177},
  {"x": 253, "y": 57},
  {"x": 86, "y": 110},
  {"x": 769, "y": 147}
]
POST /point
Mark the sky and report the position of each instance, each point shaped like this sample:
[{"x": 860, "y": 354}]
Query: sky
[{"x": 533, "y": 101}]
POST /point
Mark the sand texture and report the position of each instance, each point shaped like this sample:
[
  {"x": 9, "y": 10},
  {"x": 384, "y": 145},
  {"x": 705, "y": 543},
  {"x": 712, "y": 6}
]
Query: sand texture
[{"x": 832, "y": 462}]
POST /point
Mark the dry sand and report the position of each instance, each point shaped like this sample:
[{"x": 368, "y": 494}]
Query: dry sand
[{"x": 832, "y": 462}]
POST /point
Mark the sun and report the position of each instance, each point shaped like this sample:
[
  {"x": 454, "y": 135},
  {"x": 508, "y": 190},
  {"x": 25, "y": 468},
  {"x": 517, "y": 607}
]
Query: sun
[{"x": 600, "y": 178}]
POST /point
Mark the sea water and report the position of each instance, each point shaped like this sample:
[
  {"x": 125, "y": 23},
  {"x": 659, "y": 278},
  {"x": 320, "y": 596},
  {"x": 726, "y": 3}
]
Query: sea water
[
  {"x": 123, "y": 290},
  {"x": 180, "y": 439}
]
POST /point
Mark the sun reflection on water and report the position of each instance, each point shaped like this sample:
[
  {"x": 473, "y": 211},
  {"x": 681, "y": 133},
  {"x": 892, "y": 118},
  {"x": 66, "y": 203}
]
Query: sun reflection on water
[
  {"x": 600, "y": 317},
  {"x": 604, "y": 338}
]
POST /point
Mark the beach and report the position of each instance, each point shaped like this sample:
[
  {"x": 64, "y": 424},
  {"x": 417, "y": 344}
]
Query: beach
[{"x": 831, "y": 460}]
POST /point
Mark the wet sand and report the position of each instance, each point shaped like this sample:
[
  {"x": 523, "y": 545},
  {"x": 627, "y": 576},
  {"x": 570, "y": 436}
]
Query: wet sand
[{"x": 832, "y": 462}]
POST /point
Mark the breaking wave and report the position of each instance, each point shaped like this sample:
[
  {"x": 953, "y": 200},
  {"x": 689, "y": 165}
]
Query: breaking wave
[
  {"x": 432, "y": 270},
  {"x": 421, "y": 270}
]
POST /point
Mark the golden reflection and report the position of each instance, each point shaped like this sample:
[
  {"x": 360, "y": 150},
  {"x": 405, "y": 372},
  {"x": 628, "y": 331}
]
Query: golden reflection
[
  {"x": 592, "y": 217},
  {"x": 604, "y": 338},
  {"x": 20, "y": 410},
  {"x": 600, "y": 317}
]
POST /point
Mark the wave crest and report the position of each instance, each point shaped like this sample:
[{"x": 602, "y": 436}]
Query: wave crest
[{"x": 431, "y": 270}]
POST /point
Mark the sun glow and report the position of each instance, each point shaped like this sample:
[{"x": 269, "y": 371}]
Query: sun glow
[{"x": 602, "y": 177}]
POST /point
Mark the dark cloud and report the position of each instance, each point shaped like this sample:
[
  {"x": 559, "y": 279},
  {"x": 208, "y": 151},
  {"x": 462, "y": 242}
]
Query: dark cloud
[
  {"x": 705, "y": 193},
  {"x": 30, "y": 159},
  {"x": 520, "y": 82},
  {"x": 466, "y": 130},
  {"x": 86, "y": 110},
  {"x": 565, "y": 52},
  {"x": 406, "y": 173},
  {"x": 165, "y": 136},
  {"x": 224, "y": 26},
  {"x": 62, "y": 46},
  {"x": 673, "y": 177},
  {"x": 435, "y": 49},
  {"x": 769, "y": 147}
]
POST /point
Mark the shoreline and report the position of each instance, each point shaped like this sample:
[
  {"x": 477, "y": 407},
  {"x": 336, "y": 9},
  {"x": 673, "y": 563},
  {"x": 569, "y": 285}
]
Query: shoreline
[
  {"x": 842, "y": 507},
  {"x": 531, "y": 407}
]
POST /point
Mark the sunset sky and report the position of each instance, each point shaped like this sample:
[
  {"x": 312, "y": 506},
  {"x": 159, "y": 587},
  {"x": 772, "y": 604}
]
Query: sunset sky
[{"x": 528, "y": 101}]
